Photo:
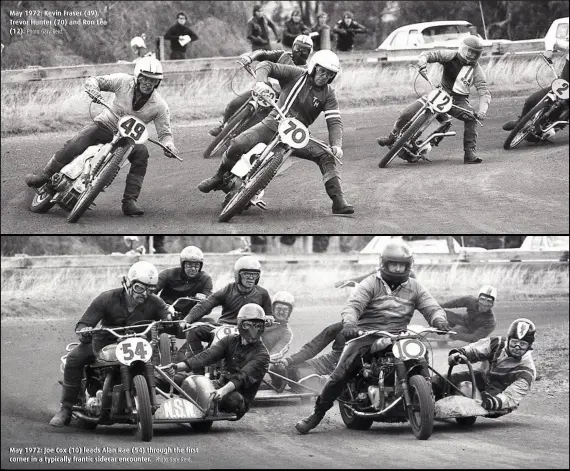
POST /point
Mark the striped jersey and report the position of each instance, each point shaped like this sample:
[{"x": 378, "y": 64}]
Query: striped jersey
[
  {"x": 277, "y": 338},
  {"x": 508, "y": 378},
  {"x": 302, "y": 99}
]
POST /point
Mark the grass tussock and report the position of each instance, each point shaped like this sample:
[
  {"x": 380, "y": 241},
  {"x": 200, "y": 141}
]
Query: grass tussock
[
  {"x": 61, "y": 105},
  {"x": 550, "y": 354}
]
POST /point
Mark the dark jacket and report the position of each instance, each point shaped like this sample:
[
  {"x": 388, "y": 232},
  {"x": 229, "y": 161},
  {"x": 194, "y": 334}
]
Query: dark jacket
[
  {"x": 110, "y": 308},
  {"x": 231, "y": 300},
  {"x": 345, "y": 34},
  {"x": 257, "y": 33},
  {"x": 179, "y": 30},
  {"x": 175, "y": 284},
  {"x": 292, "y": 30},
  {"x": 481, "y": 324},
  {"x": 244, "y": 365}
]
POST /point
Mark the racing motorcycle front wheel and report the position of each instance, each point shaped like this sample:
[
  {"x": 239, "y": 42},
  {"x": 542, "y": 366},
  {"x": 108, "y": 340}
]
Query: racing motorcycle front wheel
[
  {"x": 403, "y": 140},
  {"x": 232, "y": 128},
  {"x": 421, "y": 411},
  {"x": 144, "y": 410},
  {"x": 526, "y": 125}
]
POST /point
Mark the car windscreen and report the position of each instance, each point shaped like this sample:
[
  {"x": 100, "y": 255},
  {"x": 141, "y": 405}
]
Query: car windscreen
[{"x": 444, "y": 33}]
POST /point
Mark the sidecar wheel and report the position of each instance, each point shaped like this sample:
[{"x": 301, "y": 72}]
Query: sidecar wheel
[
  {"x": 421, "y": 414},
  {"x": 202, "y": 427},
  {"x": 144, "y": 411},
  {"x": 465, "y": 421}
]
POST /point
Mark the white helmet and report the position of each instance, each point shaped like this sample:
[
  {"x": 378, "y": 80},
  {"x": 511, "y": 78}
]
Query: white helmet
[
  {"x": 470, "y": 48},
  {"x": 488, "y": 291},
  {"x": 326, "y": 59},
  {"x": 301, "y": 49},
  {"x": 305, "y": 41},
  {"x": 191, "y": 254},
  {"x": 149, "y": 66},
  {"x": 143, "y": 272},
  {"x": 286, "y": 298},
  {"x": 129, "y": 240},
  {"x": 247, "y": 263}
]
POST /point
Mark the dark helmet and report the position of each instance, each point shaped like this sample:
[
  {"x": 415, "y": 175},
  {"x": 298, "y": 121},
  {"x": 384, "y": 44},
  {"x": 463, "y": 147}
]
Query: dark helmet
[
  {"x": 470, "y": 49},
  {"x": 400, "y": 252},
  {"x": 522, "y": 329}
]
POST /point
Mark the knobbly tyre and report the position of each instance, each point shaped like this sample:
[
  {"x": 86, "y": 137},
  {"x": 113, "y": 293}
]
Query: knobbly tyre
[
  {"x": 463, "y": 402},
  {"x": 76, "y": 186},
  {"x": 245, "y": 184},
  {"x": 239, "y": 122},
  {"x": 538, "y": 124},
  {"x": 409, "y": 146},
  {"x": 118, "y": 387},
  {"x": 393, "y": 384}
]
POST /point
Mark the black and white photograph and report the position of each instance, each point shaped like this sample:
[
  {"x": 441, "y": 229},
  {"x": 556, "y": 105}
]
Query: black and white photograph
[
  {"x": 284, "y": 351},
  {"x": 342, "y": 117}
]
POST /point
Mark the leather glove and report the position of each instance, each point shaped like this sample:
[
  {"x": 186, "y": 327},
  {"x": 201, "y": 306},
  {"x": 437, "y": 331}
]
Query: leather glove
[
  {"x": 172, "y": 150},
  {"x": 85, "y": 335},
  {"x": 245, "y": 59},
  {"x": 97, "y": 97},
  {"x": 441, "y": 324},
  {"x": 491, "y": 402},
  {"x": 455, "y": 358},
  {"x": 201, "y": 296},
  {"x": 548, "y": 55},
  {"x": 350, "y": 331},
  {"x": 422, "y": 69},
  {"x": 480, "y": 115},
  {"x": 262, "y": 88},
  {"x": 170, "y": 369},
  {"x": 284, "y": 362},
  {"x": 337, "y": 151},
  {"x": 269, "y": 321}
]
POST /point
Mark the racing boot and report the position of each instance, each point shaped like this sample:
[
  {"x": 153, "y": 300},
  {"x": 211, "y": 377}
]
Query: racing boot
[
  {"x": 133, "y": 187},
  {"x": 216, "y": 130},
  {"x": 471, "y": 158},
  {"x": 68, "y": 399},
  {"x": 387, "y": 141},
  {"x": 37, "y": 180},
  {"x": 334, "y": 190},
  {"x": 215, "y": 182},
  {"x": 510, "y": 125},
  {"x": 307, "y": 424}
]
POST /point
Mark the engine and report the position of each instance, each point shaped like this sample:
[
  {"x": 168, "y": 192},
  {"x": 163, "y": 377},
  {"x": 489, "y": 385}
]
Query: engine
[{"x": 60, "y": 182}]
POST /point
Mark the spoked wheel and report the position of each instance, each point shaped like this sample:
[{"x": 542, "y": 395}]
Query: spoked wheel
[
  {"x": 526, "y": 125},
  {"x": 421, "y": 413},
  {"x": 404, "y": 139},
  {"x": 232, "y": 128},
  {"x": 41, "y": 203},
  {"x": 144, "y": 410},
  {"x": 350, "y": 419}
]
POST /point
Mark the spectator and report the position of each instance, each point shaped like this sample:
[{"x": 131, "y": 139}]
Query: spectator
[
  {"x": 321, "y": 33},
  {"x": 257, "y": 33},
  {"x": 138, "y": 46},
  {"x": 157, "y": 243},
  {"x": 346, "y": 29},
  {"x": 293, "y": 28},
  {"x": 179, "y": 35}
]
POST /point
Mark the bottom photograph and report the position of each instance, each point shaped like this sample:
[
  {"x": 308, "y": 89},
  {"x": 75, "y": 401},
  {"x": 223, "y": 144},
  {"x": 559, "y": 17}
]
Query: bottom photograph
[{"x": 284, "y": 351}]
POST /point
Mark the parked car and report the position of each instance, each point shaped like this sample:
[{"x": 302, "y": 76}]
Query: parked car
[
  {"x": 377, "y": 244},
  {"x": 558, "y": 30}
]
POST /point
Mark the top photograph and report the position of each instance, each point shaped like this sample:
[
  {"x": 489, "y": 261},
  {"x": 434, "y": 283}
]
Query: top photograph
[{"x": 272, "y": 117}]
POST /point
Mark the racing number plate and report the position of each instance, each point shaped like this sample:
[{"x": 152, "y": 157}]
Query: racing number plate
[
  {"x": 132, "y": 127},
  {"x": 133, "y": 349},
  {"x": 560, "y": 88},
  {"x": 409, "y": 349},
  {"x": 440, "y": 100},
  {"x": 293, "y": 133},
  {"x": 225, "y": 331}
]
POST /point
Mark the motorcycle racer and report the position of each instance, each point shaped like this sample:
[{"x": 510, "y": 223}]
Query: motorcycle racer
[
  {"x": 134, "y": 301},
  {"x": 244, "y": 290},
  {"x": 300, "y": 52},
  {"x": 305, "y": 94},
  {"x": 384, "y": 301},
  {"x": 134, "y": 95},
  {"x": 507, "y": 368},
  {"x": 278, "y": 335},
  {"x": 479, "y": 320},
  {"x": 461, "y": 70}
]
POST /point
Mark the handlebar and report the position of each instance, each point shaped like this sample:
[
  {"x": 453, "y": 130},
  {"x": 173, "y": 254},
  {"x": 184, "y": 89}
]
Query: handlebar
[
  {"x": 101, "y": 101},
  {"x": 401, "y": 335},
  {"x": 550, "y": 64},
  {"x": 247, "y": 67},
  {"x": 129, "y": 327}
]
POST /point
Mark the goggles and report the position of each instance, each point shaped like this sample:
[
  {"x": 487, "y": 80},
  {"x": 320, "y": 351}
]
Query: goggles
[
  {"x": 250, "y": 325},
  {"x": 141, "y": 288},
  {"x": 324, "y": 72},
  {"x": 194, "y": 265},
  {"x": 302, "y": 50},
  {"x": 522, "y": 344},
  {"x": 486, "y": 301},
  {"x": 148, "y": 80},
  {"x": 281, "y": 310},
  {"x": 250, "y": 275}
]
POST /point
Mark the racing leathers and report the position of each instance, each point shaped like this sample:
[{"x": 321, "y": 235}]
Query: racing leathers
[
  {"x": 507, "y": 378},
  {"x": 154, "y": 108},
  {"x": 302, "y": 99},
  {"x": 472, "y": 325},
  {"x": 232, "y": 298},
  {"x": 113, "y": 308},
  {"x": 375, "y": 306}
]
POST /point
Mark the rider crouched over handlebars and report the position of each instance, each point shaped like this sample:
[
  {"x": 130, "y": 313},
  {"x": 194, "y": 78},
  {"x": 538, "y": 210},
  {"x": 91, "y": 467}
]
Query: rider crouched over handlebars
[
  {"x": 245, "y": 359},
  {"x": 120, "y": 307},
  {"x": 384, "y": 301},
  {"x": 461, "y": 70},
  {"x": 135, "y": 96},
  {"x": 304, "y": 95},
  {"x": 507, "y": 370}
]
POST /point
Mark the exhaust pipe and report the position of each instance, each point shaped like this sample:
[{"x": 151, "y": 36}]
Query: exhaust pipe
[{"x": 376, "y": 415}]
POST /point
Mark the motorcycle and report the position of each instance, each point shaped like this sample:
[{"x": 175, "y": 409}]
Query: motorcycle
[
  {"x": 435, "y": 105},
  {"x": 245, "y": 184},
  {"x": 76, "y": 186},
  {"x": 393, "y": 384},
  {"x": 239, "y": 122},
  {"x": 546, "y": 118}
]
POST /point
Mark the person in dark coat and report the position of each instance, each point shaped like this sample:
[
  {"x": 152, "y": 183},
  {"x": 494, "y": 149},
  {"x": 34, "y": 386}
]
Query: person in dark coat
[
  {"x": 180, "y": 36},
  {"x": 257, "y": 33},
  {"x": 294, "y": 26}
]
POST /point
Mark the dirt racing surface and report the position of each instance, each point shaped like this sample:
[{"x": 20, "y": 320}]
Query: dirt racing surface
[
  {"x": 519, "y": 191},
  {"x": 534, "y": 436}
]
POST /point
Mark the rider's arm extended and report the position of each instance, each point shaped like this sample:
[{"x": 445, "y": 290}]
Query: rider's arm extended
[
  {"x": 282, "y": 343},
  {"x": 435, "y": 56},
  {"x": 265, "y": 55},
  {"x": 332, "y": 117},
  {"x": 427, "y": 305},
  {"x": 317, "y": 344},
  {"x": 252, "y": 372},
  {"x": 94, "y": 312},
  {"x": 358, "y": 300},
  {"x": 162, "y": 125},
  {"x": 480, "y": 83},
  {"x": 211, "y": 355},
  {"x": 513, "y": 394},
  {"x": 282, "y": 72},
  {"x": 108, "y": 83},
  {"x": 206, "y": 306},
  {"x": 456, "y": 302}
]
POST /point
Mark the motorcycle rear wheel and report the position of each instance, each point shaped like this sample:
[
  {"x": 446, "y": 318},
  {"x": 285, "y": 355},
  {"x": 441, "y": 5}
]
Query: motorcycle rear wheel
[
  {"x": 399, "y": 144},
  {"x": 255, "y": 184},
  {"x": 421, "y": 415},
  {"x": 525, "y": 125},
  {"x": 103, "y": 179},
  {"x": 351, "y": 420},
  {"x": 144, "y": 410},
  {"x": 41, "y": 203},
  {"x": 233, "y": 128}
]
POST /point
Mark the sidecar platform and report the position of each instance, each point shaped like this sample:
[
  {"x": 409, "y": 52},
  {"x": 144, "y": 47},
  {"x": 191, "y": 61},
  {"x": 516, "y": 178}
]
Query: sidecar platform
[
  {"x": 452, "y": 407},
  {"x": 180, "y": 410}
]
